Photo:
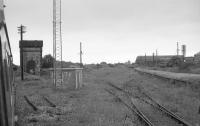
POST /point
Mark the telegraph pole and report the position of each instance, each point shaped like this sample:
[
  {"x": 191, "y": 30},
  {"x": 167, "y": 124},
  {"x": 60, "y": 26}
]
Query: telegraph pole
[
  {"x": 21, "y": 31},
  {"x": 81, "y": 53},
  {"x": 177, "y": 49},
  {"x": 156, "y": 57},
  {"x": 153, "y": 58}
]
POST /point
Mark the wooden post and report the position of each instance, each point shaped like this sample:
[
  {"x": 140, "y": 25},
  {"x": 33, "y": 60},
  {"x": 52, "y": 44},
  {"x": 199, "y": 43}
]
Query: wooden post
[
  {"x": 145, "y": 59},
  {"x": 76, "y": 79},
  {"x": 81, "y": 78},
  {"x": 153, "y": 59}
]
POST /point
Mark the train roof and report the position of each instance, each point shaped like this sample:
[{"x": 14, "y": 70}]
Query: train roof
[
  {"x": 3, "y": 24},
  {"x": 2, "y": 17}
]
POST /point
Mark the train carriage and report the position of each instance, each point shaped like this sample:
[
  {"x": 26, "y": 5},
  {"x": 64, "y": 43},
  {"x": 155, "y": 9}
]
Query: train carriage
[{"x": 6, "y": 74}]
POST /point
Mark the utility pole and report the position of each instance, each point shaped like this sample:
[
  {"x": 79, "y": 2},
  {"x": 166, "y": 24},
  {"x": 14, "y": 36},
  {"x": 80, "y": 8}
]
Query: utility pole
[
  {"x": 177, "y": 49},
  {"x": 145, "y": 59},
  {"x": 156, "y": 57},
  {"x": 21, "y": 31},
  {"x": 81, "y": 53},
  {"x": 153, "y": 58}
]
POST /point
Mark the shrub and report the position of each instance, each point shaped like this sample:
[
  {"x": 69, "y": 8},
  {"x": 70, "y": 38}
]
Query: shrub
[
  {"x": 175, "y": 61},
  {"x": 185, "y": 67}
]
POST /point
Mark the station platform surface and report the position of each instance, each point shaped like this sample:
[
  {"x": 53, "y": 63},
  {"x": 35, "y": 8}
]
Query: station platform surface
[{"x": 187, "y": 77}]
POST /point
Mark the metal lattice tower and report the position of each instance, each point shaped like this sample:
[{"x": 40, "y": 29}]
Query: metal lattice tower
[{"x": 57, "y": 43}]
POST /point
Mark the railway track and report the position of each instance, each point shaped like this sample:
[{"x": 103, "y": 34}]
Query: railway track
[
  {"x": 34, "y": 107},
  {"x": 132, "y": 108},
  {"x": 144, "y": 105}
]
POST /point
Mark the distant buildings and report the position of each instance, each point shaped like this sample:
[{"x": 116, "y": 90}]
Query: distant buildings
[
  {"x": 153, "y": 60},
  {"x": 31, "y": 53},
  {"x": 189, "y": 59},
  {"x": 197, "y": 58},
  {"x": 166, "y": 60},
  {"x": 163, "y": 60}
]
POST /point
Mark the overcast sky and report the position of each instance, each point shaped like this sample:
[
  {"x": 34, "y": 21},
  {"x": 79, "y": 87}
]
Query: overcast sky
[{"x": 110, "y": 30}]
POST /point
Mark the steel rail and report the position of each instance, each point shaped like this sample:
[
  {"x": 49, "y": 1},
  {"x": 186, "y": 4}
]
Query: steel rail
[
  {"x": 30, "y": 103},
  {"x": 49, "y": 102},
  {"x": 133, "y": 108},
  {"x": 168, "y": 112},
  {"x": 158, "y": 106}
]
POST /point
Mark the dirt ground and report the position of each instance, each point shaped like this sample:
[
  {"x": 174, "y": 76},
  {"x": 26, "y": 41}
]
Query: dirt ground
[{"x": 93, "y": 106}]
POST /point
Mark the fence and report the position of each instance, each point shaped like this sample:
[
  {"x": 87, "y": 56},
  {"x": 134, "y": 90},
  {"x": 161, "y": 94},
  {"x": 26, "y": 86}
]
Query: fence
[{"x": 71, "y": 78}]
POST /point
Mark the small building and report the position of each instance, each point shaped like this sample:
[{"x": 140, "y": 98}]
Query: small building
[
  {"x": 31, "y": 53},
  {"x": 161, "y": 60},
  {"x": 189, "y": 59},
  {"x": 197, "y": 58}
]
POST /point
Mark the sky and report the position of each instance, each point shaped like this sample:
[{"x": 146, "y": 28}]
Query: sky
[{"x": 110, "y": 30}]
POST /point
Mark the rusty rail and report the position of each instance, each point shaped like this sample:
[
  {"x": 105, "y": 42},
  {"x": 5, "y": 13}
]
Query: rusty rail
[
  {"x": 133, "y": 108},
  {"x": 156, "y": 105},
  {"x": 30, "y": 103},
  {"x": 48, "y": 101}
]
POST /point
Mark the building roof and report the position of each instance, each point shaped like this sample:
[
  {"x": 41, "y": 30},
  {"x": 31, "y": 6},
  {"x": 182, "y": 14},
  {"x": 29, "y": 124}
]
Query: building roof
[
  {"x": 160, "y": 57},
  {"x": 31, "y": 43}
]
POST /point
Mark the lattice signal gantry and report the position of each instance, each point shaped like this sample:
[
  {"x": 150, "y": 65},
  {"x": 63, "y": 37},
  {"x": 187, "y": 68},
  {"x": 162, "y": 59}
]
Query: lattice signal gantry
[{"x": 57, "y": 43}]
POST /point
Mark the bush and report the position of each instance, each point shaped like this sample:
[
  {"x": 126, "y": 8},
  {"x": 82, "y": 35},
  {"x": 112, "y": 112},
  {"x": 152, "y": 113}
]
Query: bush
[
  {"x": 47, "y": 61},
  {"x": 185, "y": 67},
  {"x": 111, "y": 65},
  {"x": 175, "y": 61}
]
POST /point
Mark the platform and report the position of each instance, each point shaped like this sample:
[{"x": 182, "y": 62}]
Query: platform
[{"x": 184, "y": 77}]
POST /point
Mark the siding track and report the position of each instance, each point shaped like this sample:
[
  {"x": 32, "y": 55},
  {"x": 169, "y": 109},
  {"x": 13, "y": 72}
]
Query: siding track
[{"x": 145, "y": 105}]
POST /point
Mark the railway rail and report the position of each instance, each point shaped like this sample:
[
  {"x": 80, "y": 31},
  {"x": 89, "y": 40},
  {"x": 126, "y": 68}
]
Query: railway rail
[
  {"x": 34, "y": 107},
  {"x": 148, "y": 101},
  {"x": 130, "y": 107},
  {"x": 49, "y": 102}
]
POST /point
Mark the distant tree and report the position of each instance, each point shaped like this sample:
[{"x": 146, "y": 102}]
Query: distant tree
[
  {"x": 111, "y": 65},
  {"x": 103, "y": 63},
  {"x": 98, "y": 66},
  {"x": 175, "y": 61},
  {"x": 47, "y": 61},
  {"x": 31, "y": 66}
]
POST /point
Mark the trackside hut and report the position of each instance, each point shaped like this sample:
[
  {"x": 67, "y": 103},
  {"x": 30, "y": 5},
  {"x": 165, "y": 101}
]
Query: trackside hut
[{"x": 31, "y": 50}]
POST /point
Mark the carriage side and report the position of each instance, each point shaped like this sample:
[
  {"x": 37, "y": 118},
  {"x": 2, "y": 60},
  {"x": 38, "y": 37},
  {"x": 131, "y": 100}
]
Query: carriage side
[{"x": 6, "y": 75}]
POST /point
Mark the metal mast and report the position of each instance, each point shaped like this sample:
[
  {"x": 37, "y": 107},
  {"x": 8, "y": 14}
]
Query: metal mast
[{"x": 57, "y": 43}]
